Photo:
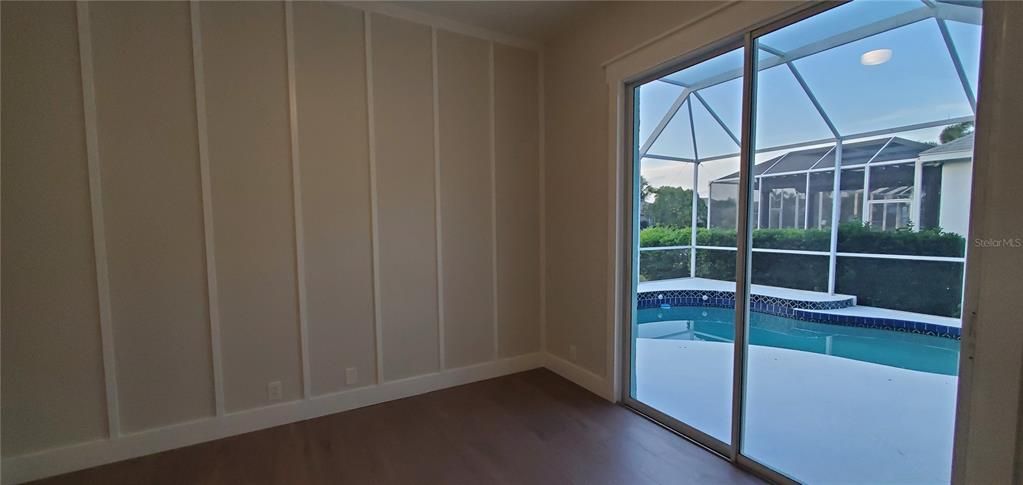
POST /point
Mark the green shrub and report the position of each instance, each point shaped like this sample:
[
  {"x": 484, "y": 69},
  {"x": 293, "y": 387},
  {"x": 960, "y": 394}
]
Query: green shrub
[
  {"x": 663, "y": 265},
  {"x": 715, "y": 264},
  {"x": 798, "y": 271},
  {"x": 931, "y": 287},
  {"x": 853, "y": 237},
  {"x": 918, "y": 286},
  {"x": 800, "y": 239},
  {"x": 660, "y": 236},
  {"x": 859, "y": 238}
]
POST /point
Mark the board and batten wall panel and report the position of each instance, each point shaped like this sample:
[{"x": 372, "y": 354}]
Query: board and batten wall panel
[
  {"x": 516, "y": 97},
  {"x": 157, "y": 173},
  {"x": 403, "y": 128},
  {"x": 53, "y": 387},
  {"x": 152, "y": 203},
  {"x": 246, "y": 82},
  {"x": 463, "y": 74},
  {"x": 332, "y": 136}
]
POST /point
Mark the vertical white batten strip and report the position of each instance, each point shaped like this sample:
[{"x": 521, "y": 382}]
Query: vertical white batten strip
[
  {"x": 296, "y": 192},
  {"x": 199, "y": 73},
  {"x": 436, "y": 204},
  {"x": 493, "y": 201},
  {"x": 98, "y": 226},
  {"x": 371, "y": 134},
  {"x": 541, "y": 182}
]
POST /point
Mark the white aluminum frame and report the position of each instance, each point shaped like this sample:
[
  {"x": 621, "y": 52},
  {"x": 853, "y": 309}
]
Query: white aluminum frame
[
  {"x": 634, "y": 152},
  {"x": 832, "y": 253},
  {"x": 806, "y": 252},
  {"x": 928, "y": 10},
  {"x": 633, "y": 155}
]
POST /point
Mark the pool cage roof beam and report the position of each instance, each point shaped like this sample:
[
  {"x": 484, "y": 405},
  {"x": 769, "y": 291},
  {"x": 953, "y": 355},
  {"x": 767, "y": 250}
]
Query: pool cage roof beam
[
  {"x": 795, "y": 73},
  {"x": 654, "y": 135},
  {"x": 806, "y": 89},
  {"x": 954, "y": 54},
  {"x": 943, "y": 11},
  {"x": 938, "y": 10},
  {"x": 826, "y": 156},
  {"x": 644, "y": 151},
  {"x": 874, "y": 28},
  {"x": 692, "y": 132},
  {"x": 853, "y": 136},
  {"x": 714, "y": 114},
  {"x": 930, "y": 9},
  {"x": 669, "y": 158}
]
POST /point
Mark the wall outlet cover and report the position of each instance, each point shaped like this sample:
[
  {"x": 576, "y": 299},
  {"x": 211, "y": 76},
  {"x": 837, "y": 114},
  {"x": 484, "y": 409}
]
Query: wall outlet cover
[{"x": 274, "y": 391}]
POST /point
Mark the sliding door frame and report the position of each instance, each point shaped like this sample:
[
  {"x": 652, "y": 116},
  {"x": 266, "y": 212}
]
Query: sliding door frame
[
  {"x": 745, "y": 39},
  {"x": 632, "y": 249}
]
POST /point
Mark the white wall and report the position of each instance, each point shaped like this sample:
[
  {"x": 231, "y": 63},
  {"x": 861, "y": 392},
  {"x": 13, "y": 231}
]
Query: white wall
[
  {"x": 582, "y": 205},
  {"x": 78, "y": 294},
  {"x": 49, "y": 272},
  {"x": 576, "y": 176},
  {"x": 272, "y": 193},
  {"x": 579, "y": 185},
  {"x": 954, "y": 210}
]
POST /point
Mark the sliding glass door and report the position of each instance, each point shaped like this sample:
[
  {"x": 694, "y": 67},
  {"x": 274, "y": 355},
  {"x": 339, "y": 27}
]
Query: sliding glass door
[
  {"x": 841, "y": 208},
  {"x": 687, "y": 130}
]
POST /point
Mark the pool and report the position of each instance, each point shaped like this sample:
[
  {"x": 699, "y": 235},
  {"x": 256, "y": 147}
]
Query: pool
[{"x": 917, "y": 352}]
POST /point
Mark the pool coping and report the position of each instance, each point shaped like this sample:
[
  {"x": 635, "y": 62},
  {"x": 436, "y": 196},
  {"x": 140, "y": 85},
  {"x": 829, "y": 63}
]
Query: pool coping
[{"x": 803, "y": 310}]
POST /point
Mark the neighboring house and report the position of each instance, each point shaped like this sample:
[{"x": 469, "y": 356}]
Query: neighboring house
[
  {"x": 954, "y": 158},
  {"x": 794, "y": 190}
]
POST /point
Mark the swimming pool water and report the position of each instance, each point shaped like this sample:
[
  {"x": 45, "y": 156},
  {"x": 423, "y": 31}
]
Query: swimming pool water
[{"x": 897, "y": 349}]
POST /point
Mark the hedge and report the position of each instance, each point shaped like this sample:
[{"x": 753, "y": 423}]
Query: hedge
[
  {"x": 931, "y": 287},
  {"x": 853, "y": 237},
  {"x": 918, "y": 286},
  {"x": 663, "y": 265},
  {"x": 773, "y": 269}
]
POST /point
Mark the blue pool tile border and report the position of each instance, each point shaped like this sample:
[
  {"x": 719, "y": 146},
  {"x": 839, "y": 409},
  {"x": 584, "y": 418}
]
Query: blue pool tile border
[{"x": 804, "y": 310}]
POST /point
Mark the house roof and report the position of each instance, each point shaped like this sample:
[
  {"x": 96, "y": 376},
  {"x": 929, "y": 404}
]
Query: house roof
[
  {"x": 853, "y": 154},
  {"x": 953, "y": 149}
]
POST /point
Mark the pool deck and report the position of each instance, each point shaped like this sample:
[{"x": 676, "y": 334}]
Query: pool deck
[
  {"x": 819, "y": 418},
  {"x": 803, "y": 305}
]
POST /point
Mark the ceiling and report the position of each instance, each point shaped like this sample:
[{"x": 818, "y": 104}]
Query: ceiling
[{"x": 535, "y": 21}]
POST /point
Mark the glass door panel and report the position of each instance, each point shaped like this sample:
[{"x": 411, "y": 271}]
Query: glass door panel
[
  {"x": 858, "y": 171},
  {"x": 685, "y": 214},
  {"x": 852, "y": 340}
]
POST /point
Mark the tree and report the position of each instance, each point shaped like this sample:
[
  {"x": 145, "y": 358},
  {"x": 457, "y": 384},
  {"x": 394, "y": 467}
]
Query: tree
[
  {"x": 645, "y": 190},
  {"x": 958, "y": 130},
  {"x": 673, "y": 206}
]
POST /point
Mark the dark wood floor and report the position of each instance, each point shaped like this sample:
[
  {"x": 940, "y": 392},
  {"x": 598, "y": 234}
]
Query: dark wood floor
[{"x": 528, "y": 428}]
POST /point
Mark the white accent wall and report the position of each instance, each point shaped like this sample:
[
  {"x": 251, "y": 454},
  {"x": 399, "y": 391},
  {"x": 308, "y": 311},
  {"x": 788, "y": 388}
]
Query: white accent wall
[
  {"x": 203, "y": 199},
  {"x": 116, "y": 345}
]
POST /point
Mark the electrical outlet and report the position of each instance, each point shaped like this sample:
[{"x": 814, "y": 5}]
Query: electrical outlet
[
  {"x": 274, "y": 392},
  {"x": 573, "y": 354},
  {"x": 351, "y": 376}
]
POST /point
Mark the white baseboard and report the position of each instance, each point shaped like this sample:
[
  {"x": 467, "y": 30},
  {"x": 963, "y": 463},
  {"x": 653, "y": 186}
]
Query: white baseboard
[
  {"x": 577, "y": 374},
  {"x": 66, "y": 459}
]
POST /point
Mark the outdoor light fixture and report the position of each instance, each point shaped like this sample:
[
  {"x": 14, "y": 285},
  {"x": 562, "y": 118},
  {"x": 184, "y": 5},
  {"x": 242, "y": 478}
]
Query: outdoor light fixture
[{"x": 876, "y": 57}]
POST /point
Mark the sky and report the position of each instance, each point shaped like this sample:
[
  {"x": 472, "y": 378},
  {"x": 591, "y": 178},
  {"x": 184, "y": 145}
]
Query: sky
[{"x": 918, "y": 84}]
